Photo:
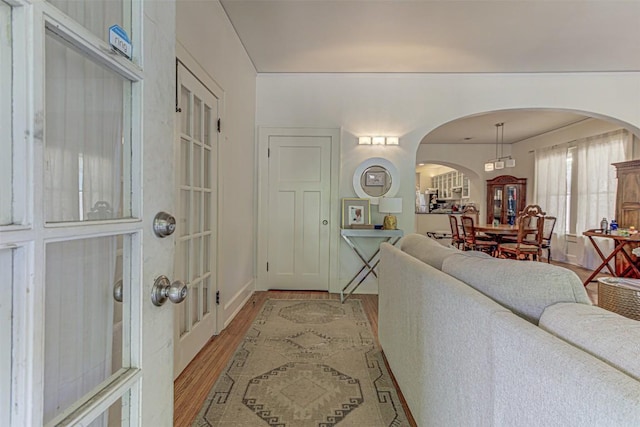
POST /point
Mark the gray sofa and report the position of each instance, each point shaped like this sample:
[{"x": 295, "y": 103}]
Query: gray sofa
[{"x": 478, "y": 341}]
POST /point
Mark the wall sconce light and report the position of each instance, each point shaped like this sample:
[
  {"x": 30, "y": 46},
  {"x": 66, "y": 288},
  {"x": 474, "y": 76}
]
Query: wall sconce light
[{"x": 378, "y": 140}]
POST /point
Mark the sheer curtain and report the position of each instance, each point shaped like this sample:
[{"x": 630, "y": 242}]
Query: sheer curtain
[
  {"x": 597, "y": 189},
  {"x": 551, "y": 194}
]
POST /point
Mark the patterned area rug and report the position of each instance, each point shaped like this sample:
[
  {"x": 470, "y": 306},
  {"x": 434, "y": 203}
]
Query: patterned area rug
[{"x": 305, "y": 363}]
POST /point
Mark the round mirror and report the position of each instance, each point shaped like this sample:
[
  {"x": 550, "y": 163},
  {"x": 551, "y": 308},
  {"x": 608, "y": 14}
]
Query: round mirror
[
  {"x": 374, "y": 178},
  {"x": 376, "y": 181}
]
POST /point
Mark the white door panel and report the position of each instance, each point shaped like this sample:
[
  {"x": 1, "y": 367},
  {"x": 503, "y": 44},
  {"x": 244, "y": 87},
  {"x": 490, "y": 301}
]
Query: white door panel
[
  {"x": 195, "y": 319},
  {"x": 79, "y": 357},
  {"x": 299, "y": 212}
]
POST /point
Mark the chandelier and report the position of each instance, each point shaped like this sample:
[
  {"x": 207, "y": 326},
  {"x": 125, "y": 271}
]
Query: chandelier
[{"x": 500, "y": 161}]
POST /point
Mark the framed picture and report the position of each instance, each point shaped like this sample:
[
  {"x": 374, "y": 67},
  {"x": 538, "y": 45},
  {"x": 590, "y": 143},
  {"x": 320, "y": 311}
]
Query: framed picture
[
  {"x": 355, "y": 212},
  {"x": 376, "y": 179}
]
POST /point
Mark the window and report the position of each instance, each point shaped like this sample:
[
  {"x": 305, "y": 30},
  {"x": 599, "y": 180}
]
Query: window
[{"x": 577, "y": 184}]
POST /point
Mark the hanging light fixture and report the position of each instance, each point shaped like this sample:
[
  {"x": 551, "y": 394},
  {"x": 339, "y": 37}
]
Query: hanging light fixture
[{"x": 500, "y": 161}]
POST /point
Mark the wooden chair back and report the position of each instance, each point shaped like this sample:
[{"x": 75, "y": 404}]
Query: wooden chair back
[
  {"x": 471, "y": 210},
  {"x": 456, "y": 238},
  {"x": 547, "y": 231}
]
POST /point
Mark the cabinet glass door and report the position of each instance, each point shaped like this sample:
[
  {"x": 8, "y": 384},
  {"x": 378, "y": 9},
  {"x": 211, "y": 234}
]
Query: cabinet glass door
[
  {"x": 497, "y": 205},
  {"x": 512, "y": 202}
]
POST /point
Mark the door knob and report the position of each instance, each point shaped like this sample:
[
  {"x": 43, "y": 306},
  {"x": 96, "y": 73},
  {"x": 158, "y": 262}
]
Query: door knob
[
  {"x": 164, "y": 289},
  {"x": 117, "y": 291},
  {"x": 164, "y": 224}
]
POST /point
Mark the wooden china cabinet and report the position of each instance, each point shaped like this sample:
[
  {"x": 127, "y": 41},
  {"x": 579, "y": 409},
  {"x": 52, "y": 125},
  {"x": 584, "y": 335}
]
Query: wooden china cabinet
[
  {"x": 627, "y": 204},
  {"x": 506, "y": 196}
]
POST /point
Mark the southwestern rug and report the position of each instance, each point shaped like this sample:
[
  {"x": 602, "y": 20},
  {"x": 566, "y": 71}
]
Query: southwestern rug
[{"x": 305, "y": 363}]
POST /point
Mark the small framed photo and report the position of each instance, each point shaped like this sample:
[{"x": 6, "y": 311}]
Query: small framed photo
[
  {"x": 355, "y": 212},
  {"x": 376, "y": 179}
]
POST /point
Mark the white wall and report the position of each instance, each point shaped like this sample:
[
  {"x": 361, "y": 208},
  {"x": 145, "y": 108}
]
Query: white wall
[
  {"x": 205, "y": 32},
  {"x": 411, "y": 105}
]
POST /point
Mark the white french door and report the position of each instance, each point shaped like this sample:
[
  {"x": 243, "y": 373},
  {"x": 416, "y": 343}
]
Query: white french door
[
  {"x": 77, "y": 254},
  {"x": 195, "y": 262}
]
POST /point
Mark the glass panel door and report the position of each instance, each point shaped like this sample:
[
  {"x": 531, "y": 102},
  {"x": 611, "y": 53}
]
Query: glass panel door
[
  {"x": 6, "y": 114},
  {"x": 88, "y": 137},
  {"x": 497, "y": 205},
  {"x": 86, "y": 338}
]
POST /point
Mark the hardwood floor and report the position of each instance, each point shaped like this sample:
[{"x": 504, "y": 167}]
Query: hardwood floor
[{"x": 192, "y": 386}]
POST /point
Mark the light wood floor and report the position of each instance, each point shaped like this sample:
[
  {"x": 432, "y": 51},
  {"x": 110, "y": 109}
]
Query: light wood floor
[{"x": 193, "y": 385}]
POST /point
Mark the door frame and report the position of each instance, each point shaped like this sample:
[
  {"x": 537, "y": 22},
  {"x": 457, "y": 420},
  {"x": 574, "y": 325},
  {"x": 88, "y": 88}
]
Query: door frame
[{"x": 262, "y": 185}]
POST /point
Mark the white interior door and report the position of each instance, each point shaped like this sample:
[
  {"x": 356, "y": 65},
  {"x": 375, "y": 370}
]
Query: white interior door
[
  {"x": 80, "y": 227},
  {"x": 195, "y": 320},
  {"x": 299, "y": 212}
]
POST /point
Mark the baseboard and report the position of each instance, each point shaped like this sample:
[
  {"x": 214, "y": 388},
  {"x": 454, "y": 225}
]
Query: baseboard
[{"x": 235, "y": 303}]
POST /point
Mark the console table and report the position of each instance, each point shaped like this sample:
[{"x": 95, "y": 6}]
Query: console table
[
  {"x": 620, "y": 243},
  {"x": 369, "y": 262}
]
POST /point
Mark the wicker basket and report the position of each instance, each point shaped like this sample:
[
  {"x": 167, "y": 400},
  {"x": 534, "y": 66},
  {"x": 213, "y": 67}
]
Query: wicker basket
[{"x": 617, "y": 297}]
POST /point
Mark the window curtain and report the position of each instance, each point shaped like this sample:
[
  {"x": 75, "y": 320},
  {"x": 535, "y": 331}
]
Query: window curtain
[
  {"x": 551, "y": 194},
  {"x": 597, "y": 185}
]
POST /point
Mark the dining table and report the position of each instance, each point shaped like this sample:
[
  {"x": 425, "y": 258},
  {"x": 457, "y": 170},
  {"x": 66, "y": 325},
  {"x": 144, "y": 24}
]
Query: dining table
[{"x": 498, "y": 231}]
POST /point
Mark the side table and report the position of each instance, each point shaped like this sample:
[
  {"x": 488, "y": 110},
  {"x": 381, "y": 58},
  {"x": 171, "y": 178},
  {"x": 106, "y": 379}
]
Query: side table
[
  {"x": 369, "y": 262},
  {"x": 620, "y": 295}
]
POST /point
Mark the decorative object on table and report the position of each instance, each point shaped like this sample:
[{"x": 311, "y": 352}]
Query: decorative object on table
[
  {"x": 363, "y": 226},
  {"x": 390, "y": 205},
  {"x": 604, "y": 226},
  {"x": 305, "y": 363},
  {"x": 355, "y": 212}
]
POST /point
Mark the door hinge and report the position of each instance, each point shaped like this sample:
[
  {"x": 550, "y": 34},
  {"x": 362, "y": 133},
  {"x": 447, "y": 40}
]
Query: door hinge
[
  {"x": 267, "y": 266},
  {"x": 217, "y": 297},
  {"x": 219, "y": 126},
  {"x": 268, "y": 152}
]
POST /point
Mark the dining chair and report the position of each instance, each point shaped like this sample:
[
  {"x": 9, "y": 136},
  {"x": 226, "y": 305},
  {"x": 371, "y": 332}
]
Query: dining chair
[
  {"x": 471, "y": 242},
  {"x": 472, "y": 211},
  {"x": 528, "y": 244},
  {"x": 547, "y": 232},
  {"x": 456, "y": 239}
]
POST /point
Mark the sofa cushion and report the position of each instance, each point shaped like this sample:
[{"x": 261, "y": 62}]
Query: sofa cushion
[
  {"x": 608, "y": 336},
  {"x": 426, "y": 249},
  {"x": 524, "y": 287}
]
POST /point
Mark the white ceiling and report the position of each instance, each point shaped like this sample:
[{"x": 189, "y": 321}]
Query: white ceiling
[
  {"x": 438, "y": 36},
  {"x": 426, "y": 36}
]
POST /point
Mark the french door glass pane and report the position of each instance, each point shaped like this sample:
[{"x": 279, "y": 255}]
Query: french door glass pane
[
  {"x": 112, "y": 417},
  {"x": 6, "y": 290},
  {"x": 98, "y": 15},
  {"x": 87, "y": 139},
  {"x": 6, "y": 116},
  {"x": 84, "y": 324}
]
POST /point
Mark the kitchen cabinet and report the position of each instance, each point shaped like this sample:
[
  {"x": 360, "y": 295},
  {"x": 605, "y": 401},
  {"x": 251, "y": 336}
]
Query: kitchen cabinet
[
  {"x": 451, "y": 185},
  {"x": 506, "y": 197}
]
